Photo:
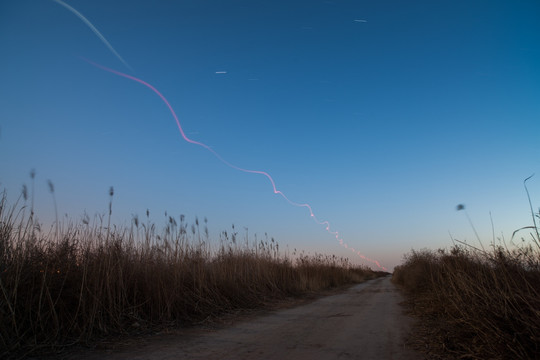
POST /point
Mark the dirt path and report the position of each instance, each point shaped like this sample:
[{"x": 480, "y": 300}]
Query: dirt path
[{"x": 364, "y": 322}]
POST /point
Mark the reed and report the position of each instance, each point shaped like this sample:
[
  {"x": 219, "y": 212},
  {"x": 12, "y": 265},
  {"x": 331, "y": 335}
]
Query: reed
[
  {"x": 80, "y": 282},
  {"x": 476, "y": 303}
]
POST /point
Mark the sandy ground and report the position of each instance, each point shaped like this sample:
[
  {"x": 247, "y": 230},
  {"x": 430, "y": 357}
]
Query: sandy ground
[{"x": 363, "y": 322}]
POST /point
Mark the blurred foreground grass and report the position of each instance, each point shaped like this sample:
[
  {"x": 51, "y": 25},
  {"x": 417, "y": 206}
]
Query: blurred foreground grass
[{"x": 475, "y": 303}]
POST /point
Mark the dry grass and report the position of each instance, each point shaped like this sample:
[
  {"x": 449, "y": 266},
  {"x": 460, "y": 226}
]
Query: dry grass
[
  {"x": 476, "y": 304},
  {"x": 82, "y": 281}
]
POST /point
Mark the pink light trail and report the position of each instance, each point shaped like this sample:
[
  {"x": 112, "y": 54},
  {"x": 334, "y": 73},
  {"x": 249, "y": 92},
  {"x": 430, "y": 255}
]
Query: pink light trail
[{"x": 276, "y": 191}]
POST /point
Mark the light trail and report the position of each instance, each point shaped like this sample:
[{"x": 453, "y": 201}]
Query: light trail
[
  {"x": 276, "y": 191},
  {"x": 95, "y": 30}
]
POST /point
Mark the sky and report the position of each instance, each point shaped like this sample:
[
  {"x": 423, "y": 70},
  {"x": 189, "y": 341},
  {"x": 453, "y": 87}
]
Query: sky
[{"x": 383, "y": 116}]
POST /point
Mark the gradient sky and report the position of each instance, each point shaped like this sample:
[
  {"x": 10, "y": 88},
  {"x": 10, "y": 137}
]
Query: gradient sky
[{"x": 382, "y": 115}]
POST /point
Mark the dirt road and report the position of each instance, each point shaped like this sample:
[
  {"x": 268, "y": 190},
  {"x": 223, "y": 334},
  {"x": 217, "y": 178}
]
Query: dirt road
[{"x": 364, "y": 322}]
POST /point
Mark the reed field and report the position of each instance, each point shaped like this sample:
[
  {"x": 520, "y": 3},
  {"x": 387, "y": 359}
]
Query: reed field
[
  {"x": 474, "y": 302},
  {"x": 78, "y": 282}
]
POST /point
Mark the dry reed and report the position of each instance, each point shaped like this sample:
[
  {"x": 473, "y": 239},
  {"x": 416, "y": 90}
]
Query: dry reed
[
  {"x": 473, "y": 303},
  {"x": 83, "y": 281}
]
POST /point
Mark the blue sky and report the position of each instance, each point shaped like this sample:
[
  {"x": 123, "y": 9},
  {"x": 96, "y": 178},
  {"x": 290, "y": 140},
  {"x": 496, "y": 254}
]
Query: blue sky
[{"x": 383, "y": 125}]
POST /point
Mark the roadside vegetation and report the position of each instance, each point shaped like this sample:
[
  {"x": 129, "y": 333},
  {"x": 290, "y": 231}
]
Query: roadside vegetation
[
  {"x": 76, "y": 283},
  {"x": 475, "y": 302}
]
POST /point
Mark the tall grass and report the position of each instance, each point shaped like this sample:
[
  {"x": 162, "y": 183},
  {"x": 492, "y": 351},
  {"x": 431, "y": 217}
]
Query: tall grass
[
  {"x": 476, "y": 304},
  {"x": 81, "y": 281}
]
